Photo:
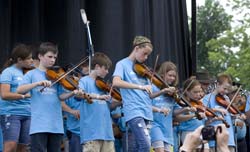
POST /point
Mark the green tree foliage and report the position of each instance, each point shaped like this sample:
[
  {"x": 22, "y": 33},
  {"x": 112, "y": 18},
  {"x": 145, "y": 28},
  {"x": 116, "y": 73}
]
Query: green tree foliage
[
  {"x": 230, "y": 53},
  {"x": 212, "y": 20}
]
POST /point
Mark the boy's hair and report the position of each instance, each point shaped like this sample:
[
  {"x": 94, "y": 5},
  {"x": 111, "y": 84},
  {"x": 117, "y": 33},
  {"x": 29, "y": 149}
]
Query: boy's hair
[
  {"x": 101, "y": 59},
  {"x": 47, "y": 47},
  {"x": 168, "y": 66},
  {"x": 142, "y": 41},
  {"x": 21, "y": 51},
  {"x": 222, "y": 77}
]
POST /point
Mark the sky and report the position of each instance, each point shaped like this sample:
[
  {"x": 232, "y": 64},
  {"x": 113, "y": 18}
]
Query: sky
[
  {"x": 236, "y": 16},
  {"x": 224, "y": 4}
]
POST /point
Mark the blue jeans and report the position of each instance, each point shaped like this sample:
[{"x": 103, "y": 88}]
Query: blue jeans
[
  {"x": 74, "y": 143},
  {"x": 16, "y": 128},
  {"x": 139, "y": 128},
  {"x": 42, "y": 142},
  {"x": 128, "y": 142}
]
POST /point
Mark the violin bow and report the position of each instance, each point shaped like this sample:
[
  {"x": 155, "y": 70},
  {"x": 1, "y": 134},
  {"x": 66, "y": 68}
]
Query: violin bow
[
  {"x": 156, "y": 61},
  {"x": 236, "y": 93},
  {"x": 186, "y": 88}
]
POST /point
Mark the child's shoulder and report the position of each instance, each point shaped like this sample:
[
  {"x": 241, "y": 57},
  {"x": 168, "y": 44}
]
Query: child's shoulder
[
  {"x": 35, "y": 71},
  {"x": 85, "y": 78}
]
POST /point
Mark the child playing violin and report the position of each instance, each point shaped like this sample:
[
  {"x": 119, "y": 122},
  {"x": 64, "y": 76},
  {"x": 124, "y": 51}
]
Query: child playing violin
[
  {"x": 95, "y": 121},
  {"x": 46, "y": 129},
  {"x": 239, "y": 101},
  {"x": 137, "y": 104},
  {"x": 163, "y": 108},
  {"x": 224, "y": 83},
  {"x": 189, "y": 121},
  {"x": 15, "y": 107}
]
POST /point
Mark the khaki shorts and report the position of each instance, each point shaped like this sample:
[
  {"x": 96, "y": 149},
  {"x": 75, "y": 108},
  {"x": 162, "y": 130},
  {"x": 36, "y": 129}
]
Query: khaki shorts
[{"x": 99, "y": 146}]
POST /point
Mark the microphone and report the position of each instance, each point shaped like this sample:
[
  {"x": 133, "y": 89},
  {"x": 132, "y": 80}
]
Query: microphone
[
  {"x": 84, "y": 17},
  {"x": 86, "y": 22}
]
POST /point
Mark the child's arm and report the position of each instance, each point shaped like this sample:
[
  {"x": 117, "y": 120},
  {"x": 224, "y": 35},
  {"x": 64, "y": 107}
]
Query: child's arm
[
  {"x": 6, "y": 94},
  {"x": 118, "y": 82},
  {"x": 169, "y": 91},
  {"x": 67, "y": 95},
  {"x": 27, "y": 87},
  {"x": 66, "y": 108}
]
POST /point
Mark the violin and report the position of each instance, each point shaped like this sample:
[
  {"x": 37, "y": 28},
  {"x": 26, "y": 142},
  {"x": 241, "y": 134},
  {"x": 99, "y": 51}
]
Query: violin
[
  {"x": 144, "y": 71},
  {"x": 240, "y": 103},
  {"x": 222, "y": 101},
  {"x": 208, "y": 112},
  {"x": 68, "y": 82},
  {"x": 58, "y": 77},
  {"x": 101, "y": 84}
]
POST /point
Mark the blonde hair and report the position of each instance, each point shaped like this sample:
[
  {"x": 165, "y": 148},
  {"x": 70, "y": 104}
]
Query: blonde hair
[
  {"x": 142, "y": 41},
  {"x": 166, "y": 67}
]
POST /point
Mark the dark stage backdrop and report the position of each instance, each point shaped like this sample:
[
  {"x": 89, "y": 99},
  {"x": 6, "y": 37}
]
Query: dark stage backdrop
[{"x": 113, "y": 25}]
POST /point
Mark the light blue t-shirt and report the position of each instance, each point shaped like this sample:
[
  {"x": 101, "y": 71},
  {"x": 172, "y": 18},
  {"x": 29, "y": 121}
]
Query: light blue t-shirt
[
  {"x": 136, "y": 103},
  {"x": 162, "y": 126},
  {"x": 191, "y": 124},
  {"x": 46, "y": 110},
  {"x": 95, "y": 119},
  {"x": 210, "y": 101},
  {"x": 73, "y": 124},
  {"x": 13, "y": 76}
]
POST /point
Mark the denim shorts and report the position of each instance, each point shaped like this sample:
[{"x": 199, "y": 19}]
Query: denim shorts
[{"x": 16, "y": 128}]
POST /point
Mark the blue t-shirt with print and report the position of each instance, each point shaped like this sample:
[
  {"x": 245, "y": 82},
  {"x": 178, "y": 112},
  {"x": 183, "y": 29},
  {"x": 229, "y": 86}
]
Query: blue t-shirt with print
[
  {"x": 13, "y": 76},
  {"x": 136, "y": 103},
  {"x": 162, "y": 126},
  {"x": 46, "y": 110},
  {"x": 95, "y": 119}
]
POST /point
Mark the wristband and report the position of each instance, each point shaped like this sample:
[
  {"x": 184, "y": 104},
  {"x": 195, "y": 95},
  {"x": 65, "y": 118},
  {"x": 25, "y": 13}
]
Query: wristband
[
  {"x": 141, "y": 87},
  {"x": 23, "y": 96}
]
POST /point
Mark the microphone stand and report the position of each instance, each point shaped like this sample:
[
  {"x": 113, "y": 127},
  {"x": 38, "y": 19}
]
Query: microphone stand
[{"x": 90, "y": 44}]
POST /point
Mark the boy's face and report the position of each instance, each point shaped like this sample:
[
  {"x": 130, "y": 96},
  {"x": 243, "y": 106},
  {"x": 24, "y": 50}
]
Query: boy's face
[
  {"x": 223, "y": 88},
  {"x": 48, "y": 59},
  {"x": 142, "y": 53},
  {"x": 101, "y": 71}
]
